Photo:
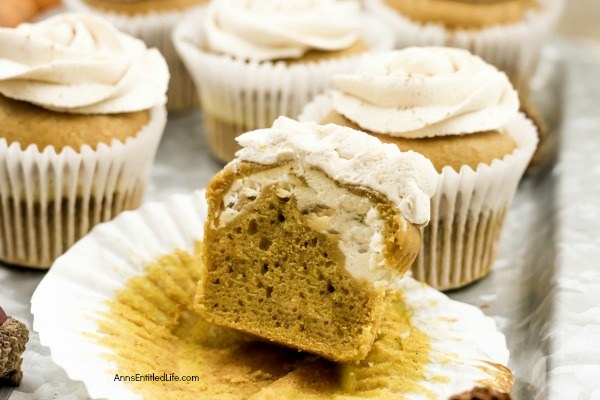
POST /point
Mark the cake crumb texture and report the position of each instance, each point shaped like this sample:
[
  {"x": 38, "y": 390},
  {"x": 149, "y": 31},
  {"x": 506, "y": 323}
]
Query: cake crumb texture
[
  {"x": 274, "y": 276},
  {"x": 280, "y": 265}
]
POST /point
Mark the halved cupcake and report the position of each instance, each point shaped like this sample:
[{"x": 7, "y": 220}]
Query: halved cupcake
[
  {"x": 254, "y": 61},
  {"x": 82, "y": 112},
  {"x": 462, "y": 114},
  {"x": 308, "y": 230},
  {"x": 140, "y": 322}
]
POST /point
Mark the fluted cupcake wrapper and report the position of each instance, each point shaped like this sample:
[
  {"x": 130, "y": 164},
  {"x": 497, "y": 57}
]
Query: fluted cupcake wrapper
[
  {"x": 467, "y": 210},
  {"x": 49, "y": 200},
  {"x": 239, "y": 96},
  {"x": 155, "y": 30},
  {"x": 513, "y": 48}
]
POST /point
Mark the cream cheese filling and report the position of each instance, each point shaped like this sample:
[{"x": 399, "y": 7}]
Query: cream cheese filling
[{"x": 329, "y": 208}]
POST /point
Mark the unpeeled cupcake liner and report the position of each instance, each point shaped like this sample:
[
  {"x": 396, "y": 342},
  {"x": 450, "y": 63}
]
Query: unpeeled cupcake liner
[
  {"x": 467, "y": 210},
  {"x": 49, "y": 200},
  {"x": 512, "y": 48},
  {"x": 465, "y": 345},
  {"x": 155, "y": 29},
  {"x": 239, "y": 96}
]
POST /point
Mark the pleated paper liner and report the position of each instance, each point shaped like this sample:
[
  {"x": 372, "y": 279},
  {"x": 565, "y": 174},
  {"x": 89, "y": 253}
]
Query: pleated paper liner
[
  {"x": 121, "y": 302},
  {"x": 239, "y": 96},
  {"x": 513, "y": 48},
  {"x": 467, "y": 210},
  {"x": 155, "y": 29},
  {"x": 50, "y": 200}
]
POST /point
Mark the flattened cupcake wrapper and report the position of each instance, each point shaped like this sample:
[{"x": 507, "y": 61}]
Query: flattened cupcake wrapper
[
  {"x": 49, "y": 200},
  {"x": 467, "y": 210},
  {"x": 463, "y": 347},
  {"x": 239, "y": 96},
  {"x": 513, "y": 48},
  {"x": 155, "y": 30}
]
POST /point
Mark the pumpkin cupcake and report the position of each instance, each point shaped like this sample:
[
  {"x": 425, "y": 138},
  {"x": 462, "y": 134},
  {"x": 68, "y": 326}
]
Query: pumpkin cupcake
[
  {"x": 309, "y": 231},
  {"x": 81, "y": 115},
  {"x": 253, "y": 61},
  {"x": 152, "y": 21},
  {"x": 462, "y": 114},
  {"x": 506, "y": 33}
]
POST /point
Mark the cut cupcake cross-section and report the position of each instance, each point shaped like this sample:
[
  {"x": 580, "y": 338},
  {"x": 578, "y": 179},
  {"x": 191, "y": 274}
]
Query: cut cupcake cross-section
[{"x": 308, "y": 230}]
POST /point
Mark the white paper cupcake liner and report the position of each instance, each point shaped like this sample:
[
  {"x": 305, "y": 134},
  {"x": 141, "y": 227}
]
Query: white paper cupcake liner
[
  {"x": 155, "y": 30},
  {"x": 239, "y": 96},
  {"x": 467, "y": 210},
  {"x": 513, "y": 48},
  {"x": 74, "y": 294},
  {"x": 49, "y": 200}
]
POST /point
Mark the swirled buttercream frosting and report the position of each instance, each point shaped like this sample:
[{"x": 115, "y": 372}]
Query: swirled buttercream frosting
[
  {"x": 279, "y": 29},
  {"x": 79, "y": 63},
  {"x": 426, "y": 91}
]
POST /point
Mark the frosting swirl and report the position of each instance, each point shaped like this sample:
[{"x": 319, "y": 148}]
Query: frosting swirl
[
  {"x": 425, "y": 92},
  {"x": 277, "y": 29},
  {"x": 352, "y": 157},
  {"x": 79, "y": 63}
]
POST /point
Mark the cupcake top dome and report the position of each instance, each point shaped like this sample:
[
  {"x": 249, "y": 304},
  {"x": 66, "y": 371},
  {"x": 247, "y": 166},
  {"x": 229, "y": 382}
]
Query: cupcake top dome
[
  {"x": 79, "y": 63},
  {"x": 423, "y": 92},
  {"x": 279, "y": 29}
]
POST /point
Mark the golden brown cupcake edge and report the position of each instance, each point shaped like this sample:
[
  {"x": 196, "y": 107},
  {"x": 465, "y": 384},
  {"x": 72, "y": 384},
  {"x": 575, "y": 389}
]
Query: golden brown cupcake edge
[
  {"x": 452, "y": 150},
  {"x": 27, "y": 124},
  {"x": 463, "y": 14}
]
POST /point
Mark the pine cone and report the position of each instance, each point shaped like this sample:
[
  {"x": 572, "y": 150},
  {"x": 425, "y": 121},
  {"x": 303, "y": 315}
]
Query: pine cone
[
  {"x": 13, "y": 338},
  {"x": 482, "y": 394}
]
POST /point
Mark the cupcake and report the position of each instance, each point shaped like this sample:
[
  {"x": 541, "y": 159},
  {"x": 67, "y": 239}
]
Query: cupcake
[
  {"x": 153, "y": 22},
  {"x": 82, "y": 111},
  {"x": 141, "y": 322},
  {"x": 253, "y": 61},
  {"x": 308, "y": 230},
  {"x": 506, "y": 33},
  {"x": 462, "y": 114}
]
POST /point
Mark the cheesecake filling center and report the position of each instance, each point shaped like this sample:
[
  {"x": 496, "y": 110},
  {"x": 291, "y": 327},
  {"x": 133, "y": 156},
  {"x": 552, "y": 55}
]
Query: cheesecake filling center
[{"x": 328, "y": 208}]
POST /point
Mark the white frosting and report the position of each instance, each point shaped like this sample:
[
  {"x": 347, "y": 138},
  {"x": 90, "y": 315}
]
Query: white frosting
[
  {"x": 465, "y": 346},
  {"x": 349, "y": 157},
  {"x": 327, "y": 208},
  {"x": 426, "y": 91},
  {"x": 79, "y": 63},
  {"x": 275, "y": 29}
]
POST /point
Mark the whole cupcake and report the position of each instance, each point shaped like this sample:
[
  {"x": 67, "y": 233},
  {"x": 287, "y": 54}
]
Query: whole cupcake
[
  {"x": 153, "y": 22},
  {"x": 506, "y": 33},
  {"x": 462, "y": 114},
  {"x": 253, "y": 61},
  {"x": 81, "y": 115}
]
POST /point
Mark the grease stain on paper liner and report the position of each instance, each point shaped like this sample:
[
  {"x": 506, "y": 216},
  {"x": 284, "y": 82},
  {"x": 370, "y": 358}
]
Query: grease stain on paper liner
[{"x": 151, "y": 327}]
